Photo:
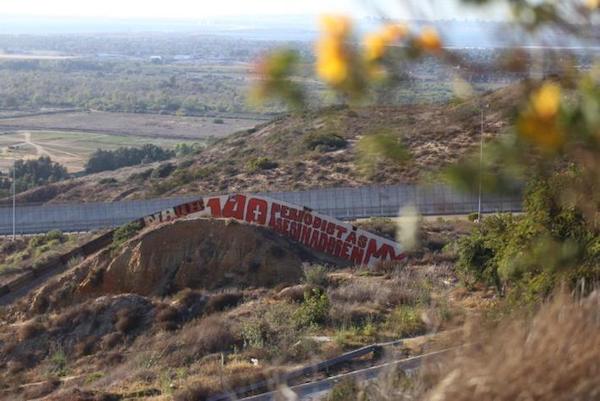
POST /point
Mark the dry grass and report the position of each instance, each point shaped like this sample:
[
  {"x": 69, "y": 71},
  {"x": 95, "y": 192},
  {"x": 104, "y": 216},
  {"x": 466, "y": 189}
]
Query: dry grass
[
  {"x": 111, "y": 340},
  {"x": 127, "y": 320},
  {"x": 198, "y": 391},
  {"x": 86, "y": 346},
  {"x": 294, "y": 293},
  {"x": 195, "y": 340},
  {"x": 41, "y": 390},
  {"x": 223, "y": 301},
  {"x": 30, "y": 330},
  {"x": 555, "y": 356}
]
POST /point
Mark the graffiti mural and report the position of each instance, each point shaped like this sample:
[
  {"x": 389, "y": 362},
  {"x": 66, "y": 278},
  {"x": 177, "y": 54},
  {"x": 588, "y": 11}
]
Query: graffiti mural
[{"x": 313, "y": 230}]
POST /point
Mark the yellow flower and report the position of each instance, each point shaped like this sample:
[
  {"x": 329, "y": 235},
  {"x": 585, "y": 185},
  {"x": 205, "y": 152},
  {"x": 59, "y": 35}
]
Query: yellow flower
[
  {"x": 332, "y": 63},
  {"x": 546, "y": 100},
  {"x": 334, "y": 70},
  {"x": 430, "y": 39},
  {"x": 336, "y": 25},
  {"x": 539, "y": 124},
  {"x": 394, "y": 32},
  {"x": 544, "y": 133},
  {"x": 333, "y": 54},
  {"x": 374, "y": 46}
]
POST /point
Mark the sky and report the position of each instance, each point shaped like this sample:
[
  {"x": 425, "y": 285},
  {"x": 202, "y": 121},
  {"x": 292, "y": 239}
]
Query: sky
[{"x": 199, "y": 9}]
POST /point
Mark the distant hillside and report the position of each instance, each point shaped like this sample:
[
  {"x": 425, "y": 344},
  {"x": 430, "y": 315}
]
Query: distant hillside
[{"x": 314, "y": 149}]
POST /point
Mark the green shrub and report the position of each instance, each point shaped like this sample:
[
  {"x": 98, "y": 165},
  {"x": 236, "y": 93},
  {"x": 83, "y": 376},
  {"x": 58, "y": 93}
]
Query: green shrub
[
  {"x": 314, "y": 310},
  {"x": 184, "y": 149},
  {"x": 273, "y": 329},
  {"x": 356, "y": 336},
  {"x": 218, "y": 121},
  {"x": 324, "y": 142},
  {"x": 54, "y": 237},
  {"x": 405, "y": 321},
  {"x": 530, "y": 254},
  {"x": 316, "y": 275},
  {"x": 163, "y": 171},
  {"x": 124, "y": 233},
  {"x": 261, "y": 163},
  {"x": 108, "y": 181},
  {"x": 58, "y": 363}
]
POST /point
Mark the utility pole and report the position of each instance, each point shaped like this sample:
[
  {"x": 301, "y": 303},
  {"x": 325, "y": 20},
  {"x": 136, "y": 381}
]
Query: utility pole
[
  {"x": 14, "y": 205},
  {"x": 480, "y": 165}
]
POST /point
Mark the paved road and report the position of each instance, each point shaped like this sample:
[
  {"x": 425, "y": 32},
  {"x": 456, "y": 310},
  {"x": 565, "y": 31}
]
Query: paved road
[{"x": 317, "y": 390}]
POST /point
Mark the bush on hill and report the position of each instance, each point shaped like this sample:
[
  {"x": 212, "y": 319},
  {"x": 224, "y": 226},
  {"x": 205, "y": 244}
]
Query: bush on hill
[
  {"x": 33, "y": 173},
  {"x": 106, "y": 160},
  {"x": 528, "y": 255},
  {"x": 324, "y": 142},
  {"x": 261, "y": 163}
]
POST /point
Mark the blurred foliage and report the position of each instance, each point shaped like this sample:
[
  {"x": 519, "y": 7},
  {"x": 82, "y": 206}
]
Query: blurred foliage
[
  {"x": 274, "y": 78},
  {"x": 551, "y": 243},
  {"x": 382, "y": 147},
  {"x": 553, "y": 143}
]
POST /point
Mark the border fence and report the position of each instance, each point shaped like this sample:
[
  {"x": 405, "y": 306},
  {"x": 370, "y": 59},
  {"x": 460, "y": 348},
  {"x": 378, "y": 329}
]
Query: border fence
[{"x": 342, "y": 203}]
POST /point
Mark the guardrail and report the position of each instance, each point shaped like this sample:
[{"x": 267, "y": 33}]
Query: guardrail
[{"x": 374, "y": 349}]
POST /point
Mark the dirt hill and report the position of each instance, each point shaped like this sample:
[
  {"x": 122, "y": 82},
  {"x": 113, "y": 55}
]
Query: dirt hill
[
  {"x": 194, "y": 303},
  {"x": 309, "y": 150},
  {"x": 199, "y": 254}
]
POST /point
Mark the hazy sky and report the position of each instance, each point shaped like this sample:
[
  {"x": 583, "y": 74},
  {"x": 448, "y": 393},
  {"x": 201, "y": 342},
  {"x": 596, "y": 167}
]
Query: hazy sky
[{"x": 197, "y": 9}]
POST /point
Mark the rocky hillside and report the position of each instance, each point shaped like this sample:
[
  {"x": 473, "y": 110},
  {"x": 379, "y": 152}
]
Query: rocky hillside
[
  {"x": 193, "y": 308},
  {"x": 313, "y": 149}
]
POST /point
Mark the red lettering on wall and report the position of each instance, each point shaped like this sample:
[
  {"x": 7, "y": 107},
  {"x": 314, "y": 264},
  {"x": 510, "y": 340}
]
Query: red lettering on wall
[
  {"x": 234, "y": 207},
  {"x": 305, "y": 236},
  {"x": 257, "y": 211},
  {"x": 357, "y": 255},
  {"x": 331, "y": 245},
  {"x": 385, "y": 252},
  {"x": 314, "y": 239},
  {"x": 295, "y": 229},
  {"x": 341, "y": 231},
  {"x": 214, "y": 204},
  {"x": 362, "y": 241},
  {"x": 345, "y": 252},
  {"x": 351, "y": 238},
  {"x": 322, "y": 242},
  {"x": 308, "y": 219}
]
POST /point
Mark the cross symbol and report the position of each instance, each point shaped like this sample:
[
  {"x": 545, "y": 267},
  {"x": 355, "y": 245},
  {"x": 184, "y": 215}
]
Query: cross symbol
[{"x": 256, "y": 213}]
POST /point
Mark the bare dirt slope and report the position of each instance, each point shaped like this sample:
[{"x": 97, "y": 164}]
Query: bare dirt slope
[
  {"x": 435, "y": 136},
  {"x": 200, "y": 254}
]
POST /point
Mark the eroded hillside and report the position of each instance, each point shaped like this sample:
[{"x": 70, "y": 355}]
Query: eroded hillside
[
  {"x": 310, "y": 150},
  {"x": 180, "y": 311}
]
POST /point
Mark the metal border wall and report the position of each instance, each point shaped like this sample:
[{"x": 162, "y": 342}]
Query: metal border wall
[{"x": 342, "y": 203}]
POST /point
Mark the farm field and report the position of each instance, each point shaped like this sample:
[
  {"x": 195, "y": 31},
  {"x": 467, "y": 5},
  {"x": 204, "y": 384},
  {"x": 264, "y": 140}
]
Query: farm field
[
  {"x": 143, "y": 125},
  {"x": 71, "y": 149}
]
